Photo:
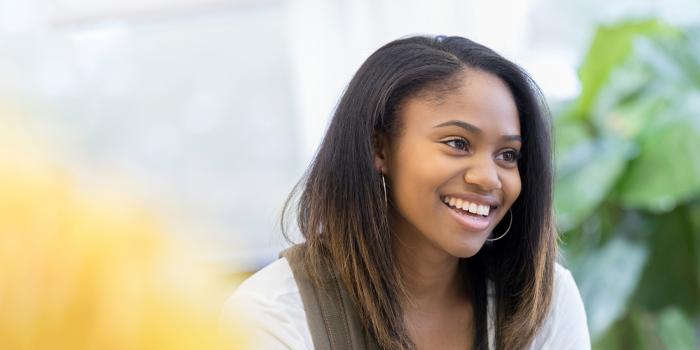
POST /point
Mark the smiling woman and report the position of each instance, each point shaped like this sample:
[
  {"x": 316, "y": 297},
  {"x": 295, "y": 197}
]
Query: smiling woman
[
  {"x": 462, "y": 148},
  {"x": 427, "y": 215}
]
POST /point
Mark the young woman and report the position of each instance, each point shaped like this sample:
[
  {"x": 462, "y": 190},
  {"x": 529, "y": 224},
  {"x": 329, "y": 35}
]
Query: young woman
[{"x": 427, "y": 215}]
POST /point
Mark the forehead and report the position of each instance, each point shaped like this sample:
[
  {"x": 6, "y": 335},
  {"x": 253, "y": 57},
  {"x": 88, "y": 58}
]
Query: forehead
[{"x": 478, "y": 98}]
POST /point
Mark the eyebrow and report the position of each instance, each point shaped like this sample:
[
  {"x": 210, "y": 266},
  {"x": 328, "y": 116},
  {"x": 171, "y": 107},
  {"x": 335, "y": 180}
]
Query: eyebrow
[{"x": 473, "y": 129}]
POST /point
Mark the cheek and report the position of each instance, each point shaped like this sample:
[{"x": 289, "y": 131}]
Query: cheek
[
  {"x": 512, "y": 186},
  {"x": 416, "y": 177}
]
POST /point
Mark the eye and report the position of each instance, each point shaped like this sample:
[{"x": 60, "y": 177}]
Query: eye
[
  {"x": 457, "y": 143},
  {"x": 510, "y": 156}
]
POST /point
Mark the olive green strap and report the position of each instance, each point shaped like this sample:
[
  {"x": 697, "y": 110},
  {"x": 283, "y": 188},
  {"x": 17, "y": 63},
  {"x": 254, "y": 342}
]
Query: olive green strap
[{"x": 333, "y": 321}]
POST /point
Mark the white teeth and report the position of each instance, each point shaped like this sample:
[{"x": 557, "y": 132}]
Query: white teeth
[
  {"x": 474, "y": 208},
  {"x": 484, "y": 210}
]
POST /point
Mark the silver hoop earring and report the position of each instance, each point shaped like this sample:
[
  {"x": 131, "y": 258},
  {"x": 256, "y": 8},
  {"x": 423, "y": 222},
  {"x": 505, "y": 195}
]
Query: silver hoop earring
[
  {"x": 508, "y": 229},
  {"x": 384, "y": 187}
]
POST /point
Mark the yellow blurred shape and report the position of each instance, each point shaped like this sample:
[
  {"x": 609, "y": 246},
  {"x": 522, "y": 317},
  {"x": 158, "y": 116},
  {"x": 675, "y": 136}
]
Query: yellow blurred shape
[{"x": 87, "y": 272}]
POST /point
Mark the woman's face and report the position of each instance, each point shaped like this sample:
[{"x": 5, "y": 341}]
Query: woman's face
[{"x": 453, "y": 167}]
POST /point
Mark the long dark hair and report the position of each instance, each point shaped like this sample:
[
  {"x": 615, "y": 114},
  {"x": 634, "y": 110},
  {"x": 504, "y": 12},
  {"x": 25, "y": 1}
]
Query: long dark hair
[{"x": 340, "y": 202}]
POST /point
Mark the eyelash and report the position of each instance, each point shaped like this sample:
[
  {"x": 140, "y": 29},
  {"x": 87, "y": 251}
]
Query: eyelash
[
  {"x": 514, "y": 158},
  {"x": 466, "y": 143}
]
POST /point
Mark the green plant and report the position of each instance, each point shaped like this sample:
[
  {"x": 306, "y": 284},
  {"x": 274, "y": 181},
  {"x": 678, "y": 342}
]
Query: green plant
[{"x": 627, "y": 196}]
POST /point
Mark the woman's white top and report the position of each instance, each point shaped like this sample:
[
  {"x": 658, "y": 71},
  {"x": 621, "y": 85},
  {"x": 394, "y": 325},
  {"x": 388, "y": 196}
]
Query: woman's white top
[{"x": 270, "y": 301}]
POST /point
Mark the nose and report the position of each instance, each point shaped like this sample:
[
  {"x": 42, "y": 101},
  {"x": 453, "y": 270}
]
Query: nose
[{"x": 483, "y": 173}]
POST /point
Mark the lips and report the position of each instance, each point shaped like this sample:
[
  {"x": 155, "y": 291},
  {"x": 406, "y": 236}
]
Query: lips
[{"x": 476, "y": 218}]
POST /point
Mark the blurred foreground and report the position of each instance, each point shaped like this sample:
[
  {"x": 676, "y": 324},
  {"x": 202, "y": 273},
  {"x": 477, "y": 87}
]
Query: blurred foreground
[{"x": 82, "y": 270}]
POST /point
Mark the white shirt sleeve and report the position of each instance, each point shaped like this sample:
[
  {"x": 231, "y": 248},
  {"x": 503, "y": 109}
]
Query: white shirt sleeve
[
  {"x": 270, "y": 301},
  {"x": 566, "y": 326}
]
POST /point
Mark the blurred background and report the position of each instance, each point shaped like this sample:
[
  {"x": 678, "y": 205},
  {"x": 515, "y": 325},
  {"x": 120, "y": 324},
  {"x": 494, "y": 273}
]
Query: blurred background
[{"x": 208, "y": 111}]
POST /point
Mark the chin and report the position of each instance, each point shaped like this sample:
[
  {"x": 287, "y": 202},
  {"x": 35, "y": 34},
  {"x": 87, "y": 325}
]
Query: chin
[{"x": 464, "y": 251}]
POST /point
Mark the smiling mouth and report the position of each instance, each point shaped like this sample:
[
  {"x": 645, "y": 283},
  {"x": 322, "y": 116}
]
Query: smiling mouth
[
  {"x": 468, "y": 208},
  {"x": 474, "y": 217}
]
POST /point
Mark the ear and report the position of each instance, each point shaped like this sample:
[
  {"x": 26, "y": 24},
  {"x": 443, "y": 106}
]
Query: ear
[{"x": 381, "y": 150}]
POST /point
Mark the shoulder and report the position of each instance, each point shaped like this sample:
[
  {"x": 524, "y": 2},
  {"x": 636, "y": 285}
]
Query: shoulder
[
  {"x": 273, "y": 282},
  {"x": 270, "y": 300},
  {"x": 565, "y": 326}
]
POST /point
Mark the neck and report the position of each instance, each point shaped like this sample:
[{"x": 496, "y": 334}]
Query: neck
[{"x": 430, "y": 274}]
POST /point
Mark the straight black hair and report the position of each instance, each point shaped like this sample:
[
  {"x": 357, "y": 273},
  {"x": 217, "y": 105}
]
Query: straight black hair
[{"x": 342, "y": 215}]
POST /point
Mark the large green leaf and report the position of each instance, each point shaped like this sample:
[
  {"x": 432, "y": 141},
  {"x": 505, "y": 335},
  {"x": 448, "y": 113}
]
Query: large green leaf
[
  {"x": 636, "y": 330},
  {"x": 675, "y": 330},
  {"x": 613, "y": 338},
  {"x": 607, "y": 278},
  {"x": 667, "y": 170},
  {"x": 629, "y": 119},
  {"x": 591, "y": 234},
  {"x": 670, "y": 277},
  {"x": 662, "y": 73},
  {"x": 693, "y": 216},
  {"x": 643, "y": 333},
  {"x": 586, "y": 174},
  {"x": 611, "y": 46},
  {"x": 620, "y": 94},
  {"x": 691, "y": 56},
  {"x": 568, "y": 134},
  {"x": 673, "y": 59}
]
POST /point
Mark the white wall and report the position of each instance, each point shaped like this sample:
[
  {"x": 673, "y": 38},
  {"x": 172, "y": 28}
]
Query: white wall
[{"x": 213, "y": 108}]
